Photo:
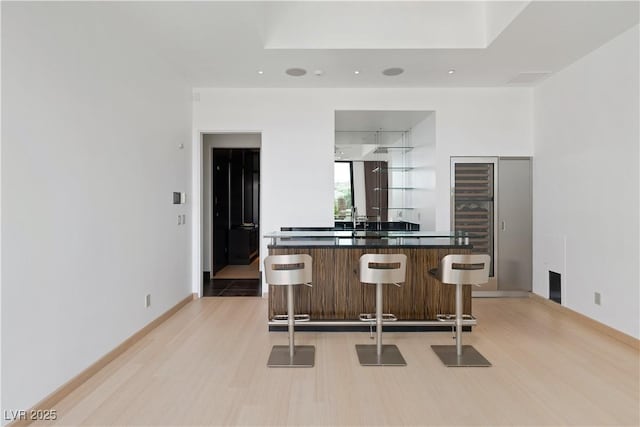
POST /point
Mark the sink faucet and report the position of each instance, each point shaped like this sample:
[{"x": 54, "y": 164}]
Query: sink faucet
[{"x": 354, "y": 213}]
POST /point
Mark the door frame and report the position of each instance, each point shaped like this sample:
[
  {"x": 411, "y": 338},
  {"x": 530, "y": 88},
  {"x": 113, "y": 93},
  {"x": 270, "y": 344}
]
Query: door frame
[{"x": 197, "y": 213}]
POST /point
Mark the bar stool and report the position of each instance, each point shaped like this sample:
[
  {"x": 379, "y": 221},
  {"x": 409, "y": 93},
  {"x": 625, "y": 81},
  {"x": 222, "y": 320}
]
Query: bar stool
[
  {"x": 290, "y": 271},
  {"x": 381, "y": 269},
  {"x": 461, "y": 270}
]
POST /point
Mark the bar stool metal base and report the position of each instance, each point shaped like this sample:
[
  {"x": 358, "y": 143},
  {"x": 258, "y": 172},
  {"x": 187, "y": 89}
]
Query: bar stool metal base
[
  {"x": 303, "y": 357},
  {"x": 470, "y": 356},
  {"x": 390, "y": 356}
]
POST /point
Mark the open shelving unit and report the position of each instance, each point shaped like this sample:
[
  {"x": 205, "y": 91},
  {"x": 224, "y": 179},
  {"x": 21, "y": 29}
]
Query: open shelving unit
[
  {"x": 396, "y": 167},
  {"x": 386, "y": 177},
  {"x": 393, "y": 169}
]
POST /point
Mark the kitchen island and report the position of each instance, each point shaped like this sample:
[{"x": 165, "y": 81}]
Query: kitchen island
[{"x": 337, "y": 297}]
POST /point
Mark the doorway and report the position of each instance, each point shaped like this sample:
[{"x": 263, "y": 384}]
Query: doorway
[{"x": 232, "y": 170}]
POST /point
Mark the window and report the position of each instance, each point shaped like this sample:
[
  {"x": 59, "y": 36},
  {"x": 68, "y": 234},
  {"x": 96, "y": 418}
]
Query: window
[{"x": 343, "y": 191}]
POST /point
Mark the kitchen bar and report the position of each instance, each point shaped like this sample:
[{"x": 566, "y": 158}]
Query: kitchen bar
[{"x": 338, "y": 298}]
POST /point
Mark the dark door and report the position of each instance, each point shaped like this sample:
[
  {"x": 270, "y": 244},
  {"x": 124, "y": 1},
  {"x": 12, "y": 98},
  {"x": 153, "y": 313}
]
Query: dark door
[{"x": 220, "y": 226}]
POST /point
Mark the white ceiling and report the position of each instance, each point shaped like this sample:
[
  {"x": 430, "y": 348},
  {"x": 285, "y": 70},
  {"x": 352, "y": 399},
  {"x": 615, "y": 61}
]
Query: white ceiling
[{"x": 224, "y": 44}]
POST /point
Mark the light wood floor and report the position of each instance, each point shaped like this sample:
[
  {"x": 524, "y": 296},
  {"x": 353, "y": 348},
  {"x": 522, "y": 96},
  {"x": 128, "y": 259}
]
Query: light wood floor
[
  {"x": 207, "y": 366},
  {"x": 249, "y": 271}
]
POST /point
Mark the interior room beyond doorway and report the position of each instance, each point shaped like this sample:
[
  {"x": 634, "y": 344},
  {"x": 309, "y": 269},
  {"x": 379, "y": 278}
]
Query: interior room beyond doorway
[{"x": 231, "y": 214}]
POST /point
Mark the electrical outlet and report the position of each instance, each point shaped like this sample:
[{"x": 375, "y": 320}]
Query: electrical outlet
[
  {"x": 147, "y": 300},
  {"x": 596, "y": 298}
]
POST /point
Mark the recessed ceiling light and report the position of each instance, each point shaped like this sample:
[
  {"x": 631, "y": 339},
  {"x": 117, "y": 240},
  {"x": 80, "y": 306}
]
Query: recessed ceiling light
[
  {"x": 318, "y": 72},
  {"x": 356, "y": 72},
  {"x": 393, "y": 71},
  {"x": 296, "y": 72},
  {"x": 451, "y": 71},
  {"x": 260, "y": 72}
]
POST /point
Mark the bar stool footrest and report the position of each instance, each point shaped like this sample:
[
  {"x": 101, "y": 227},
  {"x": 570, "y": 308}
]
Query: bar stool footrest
[
  {"x": 283, "y": 318},
  {"x": 448, "y": 317},
  {"x": 371, "y": 317}
]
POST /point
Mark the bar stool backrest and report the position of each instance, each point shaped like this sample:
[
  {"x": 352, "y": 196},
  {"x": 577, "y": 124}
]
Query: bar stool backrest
[
  {"x": 464, "y": 269},
  {"x": 383, "y": 268},
  {"x": 288, "y": 269}
]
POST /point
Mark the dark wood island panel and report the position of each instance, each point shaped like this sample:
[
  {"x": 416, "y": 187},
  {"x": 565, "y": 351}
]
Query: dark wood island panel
[{"x": 337, "y": 293}]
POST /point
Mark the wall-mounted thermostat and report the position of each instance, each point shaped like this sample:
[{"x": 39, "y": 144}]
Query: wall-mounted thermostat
[{"x": 179, "y": 198}]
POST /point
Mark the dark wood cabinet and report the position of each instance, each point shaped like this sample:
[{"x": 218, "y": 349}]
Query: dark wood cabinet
[
  {"x": 243, "y": 245},
  {"x": 220, "y": 212},
  {"x": 236, "y": 196}
]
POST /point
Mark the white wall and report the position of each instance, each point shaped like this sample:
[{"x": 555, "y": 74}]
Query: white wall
[
  {"x": 209, "y": 141},
  {"x": 586, "y": 183},
  {"x": 90, "y": 158},
  {"x": 1, "y": 103},
  {"x": 297, "y": 127}
]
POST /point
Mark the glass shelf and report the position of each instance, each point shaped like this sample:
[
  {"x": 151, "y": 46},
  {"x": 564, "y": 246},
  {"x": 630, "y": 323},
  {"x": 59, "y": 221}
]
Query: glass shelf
[
  {"x": 392, "y": 169},
  {"x": 382, "y": 149},
  {"x": 377, "y": 208},
  {"x": 381, "y": 171}
]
